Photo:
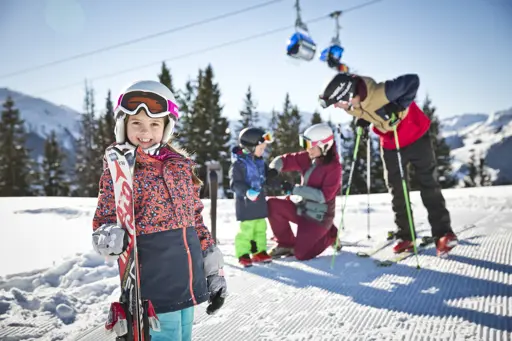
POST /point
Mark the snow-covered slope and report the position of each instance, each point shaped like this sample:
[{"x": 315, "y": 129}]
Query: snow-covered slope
[
  {"x": 488, "y": 136},
  {"x": 52, "y": 287}
]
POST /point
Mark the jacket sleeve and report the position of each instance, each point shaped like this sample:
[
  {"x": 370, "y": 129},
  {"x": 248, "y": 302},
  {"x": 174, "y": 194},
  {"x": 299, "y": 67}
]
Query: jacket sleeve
[
  {"x": 205, "y": 237},
  {"x": 332, "y": 182},
  {"x": 295, "y": 162},
  {"x": 106, "y": 208},
  {"x": 237, "y": 179},
  {"x": 402, "y": 90}
]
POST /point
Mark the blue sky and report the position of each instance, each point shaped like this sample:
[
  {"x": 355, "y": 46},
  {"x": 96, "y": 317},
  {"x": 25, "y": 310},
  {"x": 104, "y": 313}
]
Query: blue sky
[{"x": 461, "y": 49}]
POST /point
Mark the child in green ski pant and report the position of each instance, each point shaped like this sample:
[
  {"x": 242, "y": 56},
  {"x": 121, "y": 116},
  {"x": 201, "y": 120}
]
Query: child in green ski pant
[{"x": 248, "y": 174}]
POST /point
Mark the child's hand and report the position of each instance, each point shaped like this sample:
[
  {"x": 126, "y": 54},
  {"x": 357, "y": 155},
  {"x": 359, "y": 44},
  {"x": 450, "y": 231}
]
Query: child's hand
[
  {"x": 252, "y": 194},
  {"x": 110, "y": 240},
  {"x": 217, "y": 288}
]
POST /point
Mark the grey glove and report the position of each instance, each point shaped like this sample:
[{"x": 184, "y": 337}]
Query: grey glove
[
  {"x": 276, "y": 164},
  {"x": 214, "y": 272},
  {"x": 110, "y": 240}
]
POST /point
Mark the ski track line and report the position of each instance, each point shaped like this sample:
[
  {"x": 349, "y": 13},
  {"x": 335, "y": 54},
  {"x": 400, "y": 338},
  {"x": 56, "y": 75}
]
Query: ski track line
[{"x": 23, "y": 330}]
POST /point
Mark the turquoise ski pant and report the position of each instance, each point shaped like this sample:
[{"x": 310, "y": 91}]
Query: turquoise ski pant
[
  {"x": 175, "y": 326},
  {"x": 251, "y": 230}
]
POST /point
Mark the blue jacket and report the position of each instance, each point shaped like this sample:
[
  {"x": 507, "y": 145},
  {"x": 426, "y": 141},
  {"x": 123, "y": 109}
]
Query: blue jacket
[{"x": 248, "y": 172}]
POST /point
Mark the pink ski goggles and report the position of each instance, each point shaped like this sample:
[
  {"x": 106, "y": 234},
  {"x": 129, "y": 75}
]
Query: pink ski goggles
[
  {"x": 155, "y": 104},
  {"x": 306, "y": 143}
]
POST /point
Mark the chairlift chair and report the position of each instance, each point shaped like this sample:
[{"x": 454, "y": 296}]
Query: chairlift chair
[
  {"x": 301, "y": 45},
  {"x": 333, "y": 53}
]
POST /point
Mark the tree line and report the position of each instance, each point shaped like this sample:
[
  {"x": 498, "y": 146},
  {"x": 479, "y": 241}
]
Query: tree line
[{"x": 202, "y": 130}]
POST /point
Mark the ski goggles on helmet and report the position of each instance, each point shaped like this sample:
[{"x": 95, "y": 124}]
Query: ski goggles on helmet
[
  {"x": 155, "y": 104},
  {"x": 267, "y": 137},
  {"x": 306, "y": 143}
]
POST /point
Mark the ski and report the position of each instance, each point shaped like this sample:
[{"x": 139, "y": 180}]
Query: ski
[
  {"x": 425, "y": 241},
  {"x": 130, "y": 318},
  {"x": 377, "y": 249}
]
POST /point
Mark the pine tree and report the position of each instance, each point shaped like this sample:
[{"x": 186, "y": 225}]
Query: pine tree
[
  {"x": 378, "y": 183},
  {"x": 274, "y": 117},
  {"x": 210, "y": 134},
  {"x": 108, "y": 122},
  {"x": 180, "y": 125},
  {"x": 249, "y": 115},
  {"x": 359, "y": 178},
  {"x": 165, "y": 77},
  {"x": 286, "y": 135},
  {"x": 441, "y": 151},
  {"x": 89, "y": 154},
  {"x": 16, "y": 169},
  {"x": 358, "y": 184},
  {"x": 185, "y": 101},
  {"x": 483, "y": 174},
  {"x": 53, "y": 176},
  {"x": 316, "y": 118},
  {"x": 470, "y": 179}
]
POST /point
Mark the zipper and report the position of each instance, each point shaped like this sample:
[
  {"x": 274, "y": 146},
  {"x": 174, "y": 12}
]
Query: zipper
[{"x": 190, "y": 272}]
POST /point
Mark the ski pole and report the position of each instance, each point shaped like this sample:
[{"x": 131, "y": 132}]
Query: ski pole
[
  {"x": 368, "y": 160},
  {"x": 406, "y": 196},
  {"x": 359, "y": 132}
]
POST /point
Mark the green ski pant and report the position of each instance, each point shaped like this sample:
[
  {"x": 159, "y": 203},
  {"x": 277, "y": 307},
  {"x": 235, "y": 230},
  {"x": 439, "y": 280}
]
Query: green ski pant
[{"x": 251, "y": 230}]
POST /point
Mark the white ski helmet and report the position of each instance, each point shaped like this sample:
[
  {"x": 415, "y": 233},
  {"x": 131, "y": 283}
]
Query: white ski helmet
[
  {"x": 320, "y": 135},
  {"x": 155, "y": 98}
]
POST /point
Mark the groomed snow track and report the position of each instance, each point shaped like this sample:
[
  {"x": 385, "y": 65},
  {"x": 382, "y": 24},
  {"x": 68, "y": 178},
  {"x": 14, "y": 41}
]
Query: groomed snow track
[{"x": 465, "y": 297}]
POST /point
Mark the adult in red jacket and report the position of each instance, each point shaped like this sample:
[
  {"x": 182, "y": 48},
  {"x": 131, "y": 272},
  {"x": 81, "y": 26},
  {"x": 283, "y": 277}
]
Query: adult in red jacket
[
  {"x": 386, "y": 105},
  {"x": 320, "y": 169}
]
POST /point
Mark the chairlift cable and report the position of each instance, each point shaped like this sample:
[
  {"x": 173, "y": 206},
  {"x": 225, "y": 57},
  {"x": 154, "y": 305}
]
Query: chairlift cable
[
  {"x": 207, "y": 49},
  {"x": 129, "y": 42}
]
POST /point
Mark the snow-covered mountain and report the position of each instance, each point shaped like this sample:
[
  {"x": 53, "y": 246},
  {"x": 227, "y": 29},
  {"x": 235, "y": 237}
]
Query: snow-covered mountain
[
  {"x": 488, "y": 136},
  {"x": 41, "y": 118}
]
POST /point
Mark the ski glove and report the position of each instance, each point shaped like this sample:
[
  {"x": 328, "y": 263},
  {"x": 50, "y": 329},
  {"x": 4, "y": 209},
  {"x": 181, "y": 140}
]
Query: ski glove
[
  {"x": 110, "y": 240},
  {"x": 389, "y": 112},
  {"x": 276, "y": 164},
  {"x": 214, "y": 272},
  {"x": 365, "y": 126},
  {"x": 252, "y": 194},
  {"x": 362, "y": 123}
]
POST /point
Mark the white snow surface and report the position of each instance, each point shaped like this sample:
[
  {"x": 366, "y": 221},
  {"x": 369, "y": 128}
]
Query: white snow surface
[{"x": 53, "y": 287}]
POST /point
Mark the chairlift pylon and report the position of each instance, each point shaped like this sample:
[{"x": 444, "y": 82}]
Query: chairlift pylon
[{"x": 301, "y": 45}]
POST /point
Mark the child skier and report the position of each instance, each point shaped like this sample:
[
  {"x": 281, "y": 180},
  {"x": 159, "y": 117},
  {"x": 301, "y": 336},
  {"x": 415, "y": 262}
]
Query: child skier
[
  {"x": 180, "y": 264},
  {"x": 388, "y": 106},
  {"x": 247, "y": 179}
]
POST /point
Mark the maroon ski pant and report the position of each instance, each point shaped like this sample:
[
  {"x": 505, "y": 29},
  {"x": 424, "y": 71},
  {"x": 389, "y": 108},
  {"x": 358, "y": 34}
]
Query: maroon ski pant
[{"x": 312, "y": 238}]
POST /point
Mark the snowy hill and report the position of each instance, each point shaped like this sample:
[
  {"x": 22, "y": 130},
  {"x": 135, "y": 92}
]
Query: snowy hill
[
  {"x": 53, "y": 287},
  {"x": 41, "y": 118},
  {"x": 489, "y": 136}
]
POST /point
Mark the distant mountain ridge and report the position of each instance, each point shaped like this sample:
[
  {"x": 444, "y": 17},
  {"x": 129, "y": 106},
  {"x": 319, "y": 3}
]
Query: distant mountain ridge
[{"x": 488, "y": 135}]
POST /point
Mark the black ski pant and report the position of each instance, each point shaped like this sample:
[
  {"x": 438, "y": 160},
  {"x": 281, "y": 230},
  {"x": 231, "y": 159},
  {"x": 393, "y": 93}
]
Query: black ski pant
[{"x": 420, "y": 155}]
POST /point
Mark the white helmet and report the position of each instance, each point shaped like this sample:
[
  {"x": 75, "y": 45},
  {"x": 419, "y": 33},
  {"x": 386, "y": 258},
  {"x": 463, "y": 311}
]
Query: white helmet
[
  {"x": 155, "y": 98},
  {"x": 320, "y": 135}
]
